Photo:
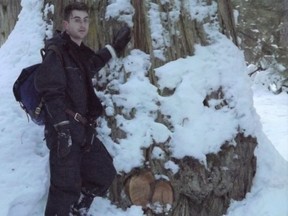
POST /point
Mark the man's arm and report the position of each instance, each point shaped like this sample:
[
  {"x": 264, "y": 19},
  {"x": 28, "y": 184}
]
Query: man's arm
[
  {"x": 101, "y": 57},
  {"x": 119, "y": 43}
]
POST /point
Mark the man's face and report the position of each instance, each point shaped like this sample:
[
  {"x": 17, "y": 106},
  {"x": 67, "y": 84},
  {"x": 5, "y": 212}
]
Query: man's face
[{"x": 77, "y": 26}]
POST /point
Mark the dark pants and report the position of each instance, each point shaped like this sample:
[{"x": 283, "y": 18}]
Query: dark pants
[{"x": 81, "y": 173}]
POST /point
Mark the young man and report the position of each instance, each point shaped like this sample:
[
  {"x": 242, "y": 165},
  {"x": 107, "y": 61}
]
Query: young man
[{"x": 80, "y": 166}]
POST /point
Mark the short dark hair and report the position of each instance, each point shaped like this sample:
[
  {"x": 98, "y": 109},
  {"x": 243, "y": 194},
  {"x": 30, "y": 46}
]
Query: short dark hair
[{"x": 74, "y": 6}]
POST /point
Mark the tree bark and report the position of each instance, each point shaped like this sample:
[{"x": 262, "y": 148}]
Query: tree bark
[
  {"x": 266, "y": 35},
  {"x": 9, "y": 11}
]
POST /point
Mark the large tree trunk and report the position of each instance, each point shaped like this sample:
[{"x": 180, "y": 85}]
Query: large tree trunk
[{"x": 195, "y": 189}]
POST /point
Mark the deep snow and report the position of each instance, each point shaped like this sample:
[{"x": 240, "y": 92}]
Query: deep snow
[{"x": 24, "y": 176}]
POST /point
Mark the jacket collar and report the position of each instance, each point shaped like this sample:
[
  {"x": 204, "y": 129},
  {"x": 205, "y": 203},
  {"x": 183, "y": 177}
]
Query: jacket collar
[{"x": 71, "y": 43}]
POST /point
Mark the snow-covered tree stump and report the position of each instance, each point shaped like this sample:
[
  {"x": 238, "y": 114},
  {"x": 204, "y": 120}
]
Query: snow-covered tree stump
[{"x": 193, "y": 189}]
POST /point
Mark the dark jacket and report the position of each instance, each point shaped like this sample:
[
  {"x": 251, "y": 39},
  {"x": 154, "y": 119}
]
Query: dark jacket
[{"x": 66, "y": 83}]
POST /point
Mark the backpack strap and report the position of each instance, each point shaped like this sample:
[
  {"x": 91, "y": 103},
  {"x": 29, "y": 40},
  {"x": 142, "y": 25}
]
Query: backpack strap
[
  {"x": 55, "y": 49},
  {"x": 43, "y": 52}
]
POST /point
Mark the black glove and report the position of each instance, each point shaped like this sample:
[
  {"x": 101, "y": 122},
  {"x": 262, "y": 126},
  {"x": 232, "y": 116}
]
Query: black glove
[
  {"x": 64, "y": 139},
  {"x": 121, "y": 39}
]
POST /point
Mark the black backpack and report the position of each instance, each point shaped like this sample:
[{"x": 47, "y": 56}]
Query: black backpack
[{"x": 25, "y": 92}]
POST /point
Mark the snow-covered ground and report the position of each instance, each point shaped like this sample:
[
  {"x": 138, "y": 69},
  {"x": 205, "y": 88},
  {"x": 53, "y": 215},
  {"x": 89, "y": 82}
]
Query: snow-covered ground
[
  {"x": 24, "y": 176},
  {"x": 273, "y": 111}
]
